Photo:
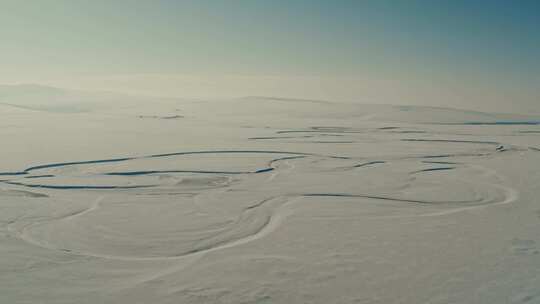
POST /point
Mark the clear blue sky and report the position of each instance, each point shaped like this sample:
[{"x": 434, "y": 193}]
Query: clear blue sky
[{"x": 477, "y": 54}]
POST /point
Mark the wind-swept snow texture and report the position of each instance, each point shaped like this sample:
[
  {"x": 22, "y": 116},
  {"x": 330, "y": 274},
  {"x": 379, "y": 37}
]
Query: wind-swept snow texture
[{"x": 109, "y": 199}]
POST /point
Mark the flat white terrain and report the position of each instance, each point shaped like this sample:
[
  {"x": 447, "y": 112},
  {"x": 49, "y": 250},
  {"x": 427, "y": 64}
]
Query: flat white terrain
[{"x": 119, "y": 199}]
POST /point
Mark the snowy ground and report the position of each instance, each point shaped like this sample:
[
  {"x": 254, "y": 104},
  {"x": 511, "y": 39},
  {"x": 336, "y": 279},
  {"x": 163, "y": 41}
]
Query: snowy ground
[{"x": 113, "y": 199}]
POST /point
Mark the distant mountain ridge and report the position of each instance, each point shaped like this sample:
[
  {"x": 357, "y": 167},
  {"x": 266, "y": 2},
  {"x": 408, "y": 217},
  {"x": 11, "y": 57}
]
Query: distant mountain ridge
[{"x": 51, "y": 99}]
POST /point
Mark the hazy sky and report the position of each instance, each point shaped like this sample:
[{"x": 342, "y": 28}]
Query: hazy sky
[{"x": 461, "y": 53}]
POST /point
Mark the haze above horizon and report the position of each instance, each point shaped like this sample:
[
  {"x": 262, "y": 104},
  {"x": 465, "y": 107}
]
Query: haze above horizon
[{"x": 479, "y": 55}]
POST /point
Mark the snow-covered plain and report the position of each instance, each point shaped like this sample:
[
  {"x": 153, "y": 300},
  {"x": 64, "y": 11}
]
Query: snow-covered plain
[{"x": 119, "y": 199}]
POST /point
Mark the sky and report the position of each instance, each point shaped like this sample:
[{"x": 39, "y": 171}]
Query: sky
[{"x": 474, "y": 54}]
